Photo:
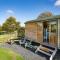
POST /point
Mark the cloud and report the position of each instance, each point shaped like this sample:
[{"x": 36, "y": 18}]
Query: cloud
[
  {"x": 57, "y": 3},
  {"x": 10, "y": 11}
]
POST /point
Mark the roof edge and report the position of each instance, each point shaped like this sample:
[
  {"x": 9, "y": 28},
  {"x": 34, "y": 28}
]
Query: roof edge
[{"x": 47, "y": 18}]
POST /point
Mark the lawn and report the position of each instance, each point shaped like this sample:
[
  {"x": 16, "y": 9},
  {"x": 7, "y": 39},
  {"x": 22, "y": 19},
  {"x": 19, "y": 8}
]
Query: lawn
[
  {"x": 6, "y": 37},
  {"x": 7, "y": 54}
]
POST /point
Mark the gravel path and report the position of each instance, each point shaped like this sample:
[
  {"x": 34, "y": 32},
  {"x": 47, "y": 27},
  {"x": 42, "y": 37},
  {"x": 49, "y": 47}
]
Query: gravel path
[{"x": 28, "y": 55}]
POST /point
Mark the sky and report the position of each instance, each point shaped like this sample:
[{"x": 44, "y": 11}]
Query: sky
[{"x": 25, "y": 10}]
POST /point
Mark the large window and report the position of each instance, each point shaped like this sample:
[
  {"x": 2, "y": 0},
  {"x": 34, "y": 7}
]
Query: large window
[{"x": 53, "y": 28}]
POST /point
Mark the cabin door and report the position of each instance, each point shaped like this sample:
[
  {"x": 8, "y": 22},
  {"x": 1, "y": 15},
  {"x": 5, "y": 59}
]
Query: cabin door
[
  {"x": 50, "y": 33},
  {"x": 45, "y": 32},
  {"x": 53, "y": 33}
]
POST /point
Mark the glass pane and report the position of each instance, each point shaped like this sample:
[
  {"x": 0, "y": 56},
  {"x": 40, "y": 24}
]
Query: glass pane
[{"x": 53, "y": 28}]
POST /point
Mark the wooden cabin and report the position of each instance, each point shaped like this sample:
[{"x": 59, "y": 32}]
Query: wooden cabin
[{"x": 44, "y": 30}]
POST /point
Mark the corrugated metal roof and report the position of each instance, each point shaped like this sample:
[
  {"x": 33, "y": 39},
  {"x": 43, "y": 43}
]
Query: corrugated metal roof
[{"x": 43, "y": 19}]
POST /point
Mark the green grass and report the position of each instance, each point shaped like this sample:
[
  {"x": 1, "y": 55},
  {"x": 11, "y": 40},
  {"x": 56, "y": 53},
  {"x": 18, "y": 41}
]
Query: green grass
[
  {"x": 6, "y": 37},
  {"x": 7, "y": 54}
]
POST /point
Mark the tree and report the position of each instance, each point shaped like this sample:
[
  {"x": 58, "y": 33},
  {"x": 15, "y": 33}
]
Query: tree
[
  {"x": 44, "y": 15},
  {"x": 11, "y": 25},
  {"x": 21, "y": 32},
  {"x": 0, "y": 28}
]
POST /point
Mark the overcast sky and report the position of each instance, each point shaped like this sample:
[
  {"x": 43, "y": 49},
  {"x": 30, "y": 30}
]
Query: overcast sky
[{"x": 25, "y": 10}]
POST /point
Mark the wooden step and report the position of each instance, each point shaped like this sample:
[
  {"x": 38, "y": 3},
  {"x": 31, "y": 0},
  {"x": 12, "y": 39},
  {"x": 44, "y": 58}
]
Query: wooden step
[
  {"x": 46, "y": 49},
  {"x": 48, "y": 46},
  {"x": 45, "y": 52}
]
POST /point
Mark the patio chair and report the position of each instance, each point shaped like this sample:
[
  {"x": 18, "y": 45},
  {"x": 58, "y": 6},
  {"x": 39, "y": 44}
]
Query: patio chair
[{"x": 22, "y": 41}]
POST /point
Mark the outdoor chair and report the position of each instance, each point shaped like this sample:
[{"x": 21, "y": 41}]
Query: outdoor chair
[
  {"x": 22, "y": 41},
  {"x": 27, "y": 43}
]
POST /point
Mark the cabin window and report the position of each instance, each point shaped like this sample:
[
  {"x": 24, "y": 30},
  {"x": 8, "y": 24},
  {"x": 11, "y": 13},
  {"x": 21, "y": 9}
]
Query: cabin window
[{"x": 53, "y": 28}]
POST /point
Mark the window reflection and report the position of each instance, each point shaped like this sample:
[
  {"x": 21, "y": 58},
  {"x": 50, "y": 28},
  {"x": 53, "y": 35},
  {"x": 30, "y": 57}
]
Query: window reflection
[{"x": 53, "y": 28}]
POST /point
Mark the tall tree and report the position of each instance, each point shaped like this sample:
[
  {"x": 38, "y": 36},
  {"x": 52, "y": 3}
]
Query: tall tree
[
  {"x": 0, "y": 28},
  {"x": 21, "y": 32},
  {"x": 44, "y": 15},
  {"x": 11, "y": 25}
]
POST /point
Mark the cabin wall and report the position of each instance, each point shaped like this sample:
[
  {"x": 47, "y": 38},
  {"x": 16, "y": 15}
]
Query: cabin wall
[
  {"x": 31, "y": 31},
  {"x": 34, "y": 31},
  {"x": 59, "y": 33},
  {"x": 39, "y": 32}
]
